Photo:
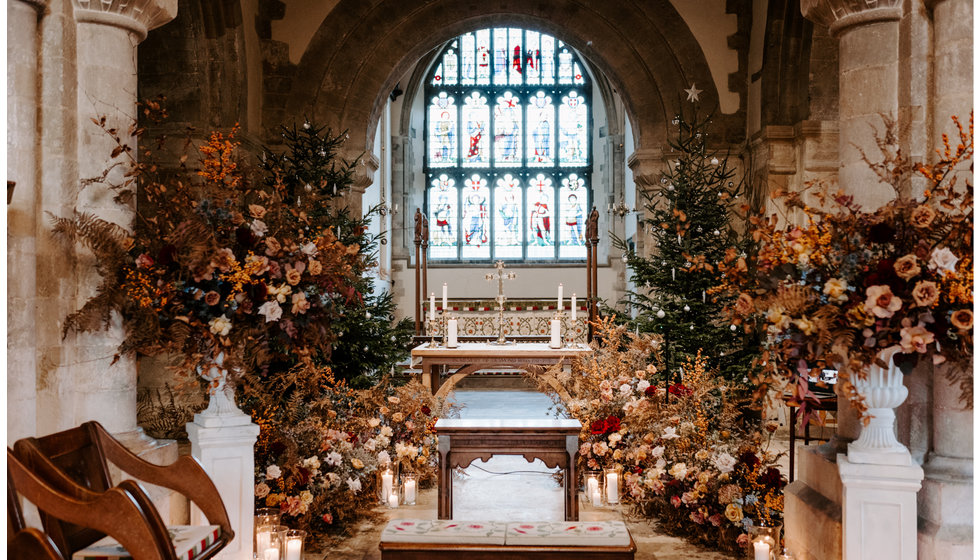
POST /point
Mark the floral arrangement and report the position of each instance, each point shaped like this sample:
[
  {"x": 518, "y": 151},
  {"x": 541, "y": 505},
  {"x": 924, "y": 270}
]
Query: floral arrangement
[
  {"x": 322, "y": 444},
  {"x": 839, "y": 284},
  {"x": 687, "y": 457}
]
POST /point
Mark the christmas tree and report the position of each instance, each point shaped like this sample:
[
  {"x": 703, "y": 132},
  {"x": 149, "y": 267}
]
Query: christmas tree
[
  {"x": 689, "y": 216},
  {"x": 367, "y": 340}
]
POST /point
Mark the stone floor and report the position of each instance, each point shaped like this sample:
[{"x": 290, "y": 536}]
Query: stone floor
[{"x": 508, "y": 488}]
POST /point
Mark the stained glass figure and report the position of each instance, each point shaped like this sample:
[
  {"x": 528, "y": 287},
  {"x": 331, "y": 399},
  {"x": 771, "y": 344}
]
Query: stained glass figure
[
  {"x": 451, "y": 63},
  {"x": 540, "y": 116},
  {"x": 468, "y": 53},
  {"x": 443, "y": 201},
  {"x": 573, "y": 119},
  {"x": 500, "y": 58},
  {"x": 532, "y": 59},
  {"x": 540, "y": 209},
  {"x": 547, "y": 59},
  {"x": 476, "y": 219},
  {"x": 476, "y": 116},
  {"x": 442, "y": 132},
  {"x": 574, "y": 199},
  {"x": 516, "y": 69},
  {"x": 507, "y": 131},
  {"x": 483, "y": 56},
  {"x": 508, "y": 240},
  {"x": 565, "y": 69}
]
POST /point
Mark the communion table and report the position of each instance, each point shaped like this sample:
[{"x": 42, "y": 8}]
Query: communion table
[
  {"x": 469, "y": 357},
  {"x": 461, "y": 441}
]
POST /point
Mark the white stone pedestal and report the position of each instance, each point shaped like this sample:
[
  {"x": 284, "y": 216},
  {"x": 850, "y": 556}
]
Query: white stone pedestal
[
  {"x": 879, "y": 517},
  {"x": 225, "y": 447}
]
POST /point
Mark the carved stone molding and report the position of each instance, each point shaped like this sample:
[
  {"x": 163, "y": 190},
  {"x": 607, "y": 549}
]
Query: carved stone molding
[
  {"x": 137, "y": 16},
  {"x": 841, "y": 14},
  {"x": 647, "y": 165},
  {"x": 364, "y": 173}
]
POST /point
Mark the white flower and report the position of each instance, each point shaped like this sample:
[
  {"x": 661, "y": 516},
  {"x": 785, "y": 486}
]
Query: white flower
[
  {"x": 272, "y": 472},
  {"x": 670, "y": 433},
  {"x": 374, "y": 422},
  {"x": 386, "y": 431},
  {"x": 309, "y": 249},
  {"x": 333, "y": 479},
  {"x": 657, "y": 451},
  {"x": 354, "y": 484},
  {"x": 370, "y": 444},
  {"x": 678, "y": 471},
  {"x": 943, "y": 259},
  {"x": 220, "y": 326},
  {"x": 384, "y": 459},
  {"x": 402, "y": 450},
  {"x": 333, "y": 459},
  {"x": 259, "y": 228},
  {"x": 625, "y": 389},
  {"x": 312, "y": 463},
  {"x": 614, "y": 439},
  {"x": 661, "y": 463},
  {"x": 642, "y": 385},
  {"x": 271, "y": 310},
  {"x": 725, "y": 463}
]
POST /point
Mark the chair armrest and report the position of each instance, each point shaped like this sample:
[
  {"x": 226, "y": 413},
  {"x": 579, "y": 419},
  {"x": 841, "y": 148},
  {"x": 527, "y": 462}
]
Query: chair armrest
[
  {"x": 115, "y": 512},
  {"x": 185, "y": 475},
  {"x": 32, "y": 544}
]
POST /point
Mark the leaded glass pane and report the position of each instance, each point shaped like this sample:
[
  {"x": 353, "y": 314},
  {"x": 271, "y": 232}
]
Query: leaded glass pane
[
  {"x": 476, "y": 219},
  {"x": 540, "y": 132},
  {"x": 468, "y": 52},
  {"x": 443, "y": 131},
  {"x": 500, "y": 57},
  {"x": 540, "y": 210},
  {"x": 508, "y": 239},
  {"x": 443, "y": 237},
  {"x": 516, "y": 72},
  {"x": 451, "y": 63},
  {"x": 532, "y": 59},
  {"x": 507, "y": 119},
  {"x": 483, "y": 57},
  {"x": 578, "y": 78},
  {"x": 476, "y": 117},
  {"x": 574, "y": 199},
  {"x": 547, "y": 59},
  {"x": 565, "y": 69},
  {"x": 573, "y": 139},
  {"x": 437, "y": 78}
]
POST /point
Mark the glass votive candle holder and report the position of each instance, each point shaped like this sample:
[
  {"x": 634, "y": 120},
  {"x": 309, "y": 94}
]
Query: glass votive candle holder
[
  {"x": 271, "y": 540},
  {"x": 593, "y": 488},
  {"x": 386, "y": 484},
  {"x": 612, "y": 479},
  {"x": 393, "y": 498},
  {"x": 294, "y": 544},
  {"x": 410, "y": 489},
  {"x": 764, "y": 541}
]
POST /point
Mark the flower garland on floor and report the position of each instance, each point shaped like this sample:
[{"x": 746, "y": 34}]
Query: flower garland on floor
[{"x": 688, "y": 458}]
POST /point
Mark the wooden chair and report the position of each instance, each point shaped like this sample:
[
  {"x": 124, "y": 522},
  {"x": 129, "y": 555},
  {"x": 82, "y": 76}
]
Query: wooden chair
[
  {"x": 114, "y": 512},
  {"x": 76, "y": 462}
]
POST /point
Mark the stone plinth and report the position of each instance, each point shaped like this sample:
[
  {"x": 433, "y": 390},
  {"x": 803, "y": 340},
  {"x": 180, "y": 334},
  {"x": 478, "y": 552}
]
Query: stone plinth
[
  {"x": 879, "y": 511},
  {"x": 812, "y": 515},
  {"x": 225, "y": 447}
]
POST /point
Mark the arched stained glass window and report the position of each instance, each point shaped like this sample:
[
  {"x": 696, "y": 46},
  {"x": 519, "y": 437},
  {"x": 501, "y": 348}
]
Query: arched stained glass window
[{"x": 508, "y": 149}]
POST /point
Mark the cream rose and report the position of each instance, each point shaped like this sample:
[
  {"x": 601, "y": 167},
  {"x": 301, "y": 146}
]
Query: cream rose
[
  {"x": 916, "y": 339},
  {"x": 925, "y": 294},
  {"x": 943, "y": 260},
  {"x": 907, "y": 267},
  {"x": 881, "y": 302},
  {"x": 836, "y": 289}
]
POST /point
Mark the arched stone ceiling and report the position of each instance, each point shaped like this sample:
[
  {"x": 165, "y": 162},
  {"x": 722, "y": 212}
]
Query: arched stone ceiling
[{"x": 643, "y": 46}]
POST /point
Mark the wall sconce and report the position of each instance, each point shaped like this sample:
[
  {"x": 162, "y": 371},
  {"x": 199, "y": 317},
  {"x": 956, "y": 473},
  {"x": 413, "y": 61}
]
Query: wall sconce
[{"x": 619, "y": 209}]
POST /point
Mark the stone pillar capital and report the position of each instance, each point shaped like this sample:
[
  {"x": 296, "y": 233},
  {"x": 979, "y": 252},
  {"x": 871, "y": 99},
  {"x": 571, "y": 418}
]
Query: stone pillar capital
[
  {"x": 647, "y": 165},
  {"x": 364, "y": 173},
  {"x": 136, "y": 16},
  {"x": 841, "y": 14}
]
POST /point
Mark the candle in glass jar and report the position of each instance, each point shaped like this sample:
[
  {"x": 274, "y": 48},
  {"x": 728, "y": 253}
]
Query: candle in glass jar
[
  {"x": 612, "y": 487},
  {"x": 592, "y": 485},
  {"x": 263, "y": 540},
  {"x": 386, "y": 482},
  {"x": 271, "y": 554},
  {"x": 409, "y": 491},
  {"x": 761, "y": 550},
  {"x": 596, "y": 498},
  {"x": 294, "y": 548},
  {"x": 574, "y": 310},
  {"x": 393, "y": 500}
]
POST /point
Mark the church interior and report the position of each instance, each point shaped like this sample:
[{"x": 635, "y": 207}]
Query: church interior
[{"x": 657, "y": 279}]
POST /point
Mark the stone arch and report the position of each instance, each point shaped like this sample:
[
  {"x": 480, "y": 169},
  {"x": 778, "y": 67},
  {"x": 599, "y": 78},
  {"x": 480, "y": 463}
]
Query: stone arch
[
  {"x": 449, "y": 384},
  {"x": 362, "y": 49}
]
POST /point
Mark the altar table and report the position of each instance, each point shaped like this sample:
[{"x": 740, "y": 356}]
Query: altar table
[
  {"x": 474, "y": 356},
  {"x": 554, "y": 441}
]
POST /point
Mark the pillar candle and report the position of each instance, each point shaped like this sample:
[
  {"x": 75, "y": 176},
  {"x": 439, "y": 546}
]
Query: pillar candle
[
  {"x": 271, "y": 554},
  {"x": 612, "y": 488},
  {"x": 409, "y": 491},
  {"x": 555, "y": 333},
  {"x": 596, "y": 498},
  {"x": 574, "y": 310},
  {"x": 432, "y": 306},
  {"x": 294, "y": 548},
  {"x": 263, "y": 540},
  {"x": 386, "y": 482},
  {"x": 560, "y": 287},
  {"x": 445, "y": 294},
  {"x": 393, "y": 500},
  {"x": 452, "y": 333},
  {"x": 761, "y": 550}
]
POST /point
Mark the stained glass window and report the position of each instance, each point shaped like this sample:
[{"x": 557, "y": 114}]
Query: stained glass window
[{"x": 508, "y": 149}]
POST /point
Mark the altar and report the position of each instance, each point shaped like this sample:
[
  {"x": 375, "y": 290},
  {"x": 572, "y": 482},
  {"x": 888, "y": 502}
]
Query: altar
[{"x": 469, "y": 357}]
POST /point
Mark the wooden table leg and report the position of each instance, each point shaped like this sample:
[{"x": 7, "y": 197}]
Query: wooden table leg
[
  {"x": 445, "y": 496},
  {"x": 427, "y": 375},
  {"x": 792, "y": 442},
  {"x": 571, "y": 479}
]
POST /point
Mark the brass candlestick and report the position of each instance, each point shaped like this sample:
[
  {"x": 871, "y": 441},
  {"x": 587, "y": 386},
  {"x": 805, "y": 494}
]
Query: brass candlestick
[{"x": 500, "y": 276}]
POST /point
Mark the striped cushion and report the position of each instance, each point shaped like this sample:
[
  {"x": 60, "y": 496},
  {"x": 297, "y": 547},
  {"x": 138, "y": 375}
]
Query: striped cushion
[
  {"x": 568, "y": 533},
  {"x": 443, "y": 531},
  {"x": 188, "y": 540}
]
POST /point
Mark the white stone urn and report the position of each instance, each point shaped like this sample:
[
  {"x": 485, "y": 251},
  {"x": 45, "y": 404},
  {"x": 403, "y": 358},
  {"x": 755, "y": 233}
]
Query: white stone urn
[
  {"x": 221, "y": 392},
  {"x": 883, "y": 391}
]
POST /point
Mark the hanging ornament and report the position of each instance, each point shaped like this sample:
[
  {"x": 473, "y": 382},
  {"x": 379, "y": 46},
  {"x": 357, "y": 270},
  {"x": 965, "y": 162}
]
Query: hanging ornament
[
  {"x": 306, "y": 125},
  {"x": 663, "y": 263},
  {"x": 716, "y": 232},
  {"x": 687, "y": 308},
  {"x": 384, "y": 241},
  {"x": 734, "y": 328},
  {"x": 308, "y": 187},
  {"x": 704, "y": 297},
  {"x": 670, "y": 187},
  {"x": 676, "y": 121},
  {"x": 692, "y": 327},
  {"x": 714, "y": 161},
  {"x": 367, "y": 314},
  {"x": 394, "y": 338},
  {"x": 626, "y": 258},
  {"x": 663, "y": 180},
  {"x": 673, "y": 274},
  {"x": 661, "y": 314},
  {"x": 323, "y": 153},
  {"x": 335, "y": 188},
  {"x": 699, "y": 229},
  {"x": 730, "y": 184}
]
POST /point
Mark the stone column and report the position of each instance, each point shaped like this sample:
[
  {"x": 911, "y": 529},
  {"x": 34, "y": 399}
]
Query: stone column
[
  {"x": 107, "y": 34},
  {"x": 22, "y": 210},
  {"x": 647, "y": 165}
]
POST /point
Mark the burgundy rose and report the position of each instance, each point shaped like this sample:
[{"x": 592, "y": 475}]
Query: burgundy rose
[
  {"x": 277, "y": 447},
  {"x": 772, "y": 478},
  {"x": 881, "y": 233},
  {"x": 167, "y": 253},
  {"x": 680, "y": 390},
  {"x": 598, "y": 427},
  {"x": 245, "y": 237},
  {"x": 426, "y": 410},
  {"x": 638, "y": 470},
  {"x": 612, "y": 424},
  {"x": 303, "y": 476},
  {"x": 749, "y": 459},
  {"x": 650, "y": 391}
]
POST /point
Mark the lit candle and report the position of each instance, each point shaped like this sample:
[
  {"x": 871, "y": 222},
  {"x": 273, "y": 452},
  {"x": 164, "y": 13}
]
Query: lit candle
[
  {"x": 452, "y": 332},
  {"x": 612, "y": 487},
  {"x": 761, "y": 550},
  {"x": 432, "y": 306},
  {"x": 263, "y": 540},
  {"x": 393, "y": 500},
  {"x": 560, "y": 288},
  {"x": 574, "y": 309},
  {"x": 294, "y": 549},
  {"x": 271, "y": 554},
  {"x": 555, "y": 333},
  {"x": 596, "y": 498},
  {"x": 386, "y": 482},
  {"x": 445, "y": 293},
  {"x": 409, "y": 491}
]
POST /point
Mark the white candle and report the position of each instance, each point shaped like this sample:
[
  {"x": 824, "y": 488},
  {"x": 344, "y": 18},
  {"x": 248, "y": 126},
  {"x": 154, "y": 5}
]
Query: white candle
[
  {"x": 612, "y": 488},
  {"x": 452, "y": 332},
  {"x": 263, "y": 540},
  {"x": 596, "y": 498},
  {"x": 271, "y": 554},
  {"x": 432, "y": 306},
  {"x": 673, "y": 274},
  {"x": 560, "y": 288},
  {"x": 592, "y": 485},
  {"x": 574, "y": 309},
  {"x": 445, "y": 293},
  {"x": 393, "y": 500},
  {"x": 761, "y": 550},
  {"x": 555, "y": 333},
  {"x": 386, "y": 481},
  {"x": 294, "y": 548},
  {"x": 409, "y": 491}
]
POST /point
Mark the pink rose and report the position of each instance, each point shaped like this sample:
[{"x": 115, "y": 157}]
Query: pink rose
[
  {"x": 881, "y": 302},
  {"x": 916, "y": 339}
]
